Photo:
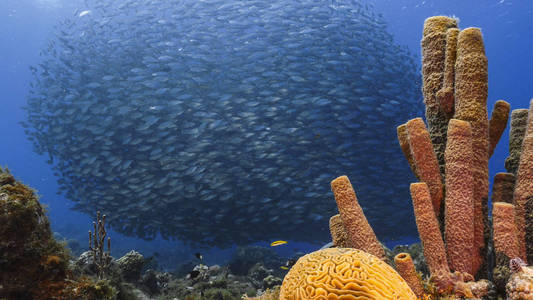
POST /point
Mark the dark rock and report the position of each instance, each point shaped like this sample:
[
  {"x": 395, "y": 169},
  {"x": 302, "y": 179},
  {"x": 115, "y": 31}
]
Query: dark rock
[
  {"x": 154, "y": 282},
  {"x": 271, "y": 281},
  {"x": 246, "y": 257},
  {"x": 257, "y": 273},
  {"x": 131, "y": 265}
]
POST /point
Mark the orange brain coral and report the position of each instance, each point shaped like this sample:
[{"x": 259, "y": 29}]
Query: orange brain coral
[{"x": 343, "y": 274}]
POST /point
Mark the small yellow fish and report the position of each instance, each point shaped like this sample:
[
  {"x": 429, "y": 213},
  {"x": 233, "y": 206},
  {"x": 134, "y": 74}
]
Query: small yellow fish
[
  {"x": 277, "y": 243},
  {"x": 284, "y": 268}
]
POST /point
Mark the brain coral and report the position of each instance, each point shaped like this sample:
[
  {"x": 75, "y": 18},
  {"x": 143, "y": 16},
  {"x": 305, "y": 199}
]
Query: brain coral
[{"x": 343, "y": 273}]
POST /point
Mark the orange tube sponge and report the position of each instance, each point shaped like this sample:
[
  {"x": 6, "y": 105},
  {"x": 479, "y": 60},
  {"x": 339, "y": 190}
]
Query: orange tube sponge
[
  {"x": 471, "y": 105},
  {"x": 360, "y": 234},
  {"x": 428, "y": 229},
  {"x": 459, "y": 206},
  {"x": 433, "y": 67},
  {"x": 425, "y": 160},
  {"x": 406, "y": 268},
  {"x": 524, "y": 183},
  {"x": 445, "y": 95},
  {"x": 529, "y": 229},
  {"x": 338, "y": 234},
  {"x": 504, "y": 228},
  {"x": 516, "y": 135},
  {"x": 503, "y": 187},
  {"x": 497, "y": 123},
  {"x": 505, "y": 241},
  {"x": 343, "y": 273},
  {"x": 406, "y": 149}
]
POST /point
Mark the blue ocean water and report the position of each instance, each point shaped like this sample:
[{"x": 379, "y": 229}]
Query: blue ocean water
[{"x": 28, "y": 26}]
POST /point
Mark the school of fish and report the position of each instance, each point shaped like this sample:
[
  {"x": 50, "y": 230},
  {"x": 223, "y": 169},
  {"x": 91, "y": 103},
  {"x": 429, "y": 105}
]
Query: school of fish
[{"x": 222, "y": 122}]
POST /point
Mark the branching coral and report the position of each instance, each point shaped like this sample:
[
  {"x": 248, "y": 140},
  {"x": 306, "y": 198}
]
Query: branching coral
[{"x": 101, "y": 258}]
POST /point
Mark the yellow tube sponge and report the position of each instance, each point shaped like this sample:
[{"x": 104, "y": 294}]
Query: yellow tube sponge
[
  {"x": 433, "y": 68},
  {"x": 445, "y": 94},
  {"x": 497, "y": 123},
  {"x": 459, "y": 206},
  {"x": 406, "y": 268},
  {"x": 425, "y": 160},
  {"x": 343, "y": 273},
  {"x": 338, "y": 234},
  {"x": 471, "y": 105},
  {"x": 360, "y": 234},
  {"x": 503, "y": 187},
  {"x": 406, "y": 149},
  {"x": 524, "y": 183}
]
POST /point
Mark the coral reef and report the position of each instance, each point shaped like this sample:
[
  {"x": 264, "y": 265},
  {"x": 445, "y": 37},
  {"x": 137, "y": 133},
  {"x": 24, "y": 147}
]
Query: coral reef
[
  {"x": 246, "y": 257},
  {"x": 267, "y": 295},
  {"x": 520, "y": 285},
  {"x": 450, "y": 158},
  {"x": 131, "y": 265},
  {"x": 88, "y": 288},
  {"x": 32, "y": 263},
  {"x": 343, "y": 273}
]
